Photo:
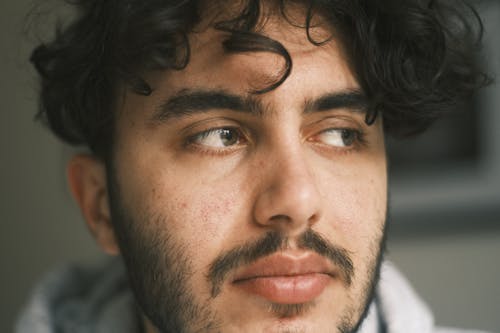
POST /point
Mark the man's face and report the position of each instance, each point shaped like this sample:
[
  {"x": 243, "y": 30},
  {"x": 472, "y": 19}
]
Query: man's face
[{"x": 240, "y": 212}]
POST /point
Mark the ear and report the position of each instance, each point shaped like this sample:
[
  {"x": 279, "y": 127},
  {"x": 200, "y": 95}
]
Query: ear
[{"x": 87, "y": 181}]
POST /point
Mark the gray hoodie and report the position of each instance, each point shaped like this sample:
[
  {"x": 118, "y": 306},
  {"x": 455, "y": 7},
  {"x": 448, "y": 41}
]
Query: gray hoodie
[{"x": 97, "y": 300}]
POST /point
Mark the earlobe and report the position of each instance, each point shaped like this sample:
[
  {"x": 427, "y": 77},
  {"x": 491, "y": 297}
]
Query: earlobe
[{"x": 87, "y": 181}]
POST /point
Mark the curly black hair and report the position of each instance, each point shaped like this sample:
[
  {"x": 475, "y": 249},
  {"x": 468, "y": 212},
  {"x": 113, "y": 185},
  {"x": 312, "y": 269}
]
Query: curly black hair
[{"x": 414, "y": 59}]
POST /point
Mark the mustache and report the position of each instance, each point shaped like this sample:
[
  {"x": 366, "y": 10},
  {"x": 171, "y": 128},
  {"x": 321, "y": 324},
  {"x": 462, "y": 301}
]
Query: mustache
[{"x": 274, "y": 242}]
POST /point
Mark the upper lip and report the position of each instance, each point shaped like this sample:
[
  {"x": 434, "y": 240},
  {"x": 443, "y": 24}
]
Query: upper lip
[{"x": 286, "y": 264}]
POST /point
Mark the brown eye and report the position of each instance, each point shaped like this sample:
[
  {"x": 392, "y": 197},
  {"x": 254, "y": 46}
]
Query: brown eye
[
  {"x": 348, "y": 137},
  {"x": 338, "y": 137},
  {"x": 218, "y": 138},
  {"x": 228, "y": 137}
]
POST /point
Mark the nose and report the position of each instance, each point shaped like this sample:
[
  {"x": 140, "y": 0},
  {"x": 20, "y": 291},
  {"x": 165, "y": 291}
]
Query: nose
[{"x": 288, "y": 200}]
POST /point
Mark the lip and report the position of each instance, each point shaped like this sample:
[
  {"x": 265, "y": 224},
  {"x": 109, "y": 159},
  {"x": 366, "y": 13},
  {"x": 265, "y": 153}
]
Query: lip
[{"x": 287, "y": 278}]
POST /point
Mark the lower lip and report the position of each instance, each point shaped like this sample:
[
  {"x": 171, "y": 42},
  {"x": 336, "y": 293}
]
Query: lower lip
[{"x": 295, "y": 289}]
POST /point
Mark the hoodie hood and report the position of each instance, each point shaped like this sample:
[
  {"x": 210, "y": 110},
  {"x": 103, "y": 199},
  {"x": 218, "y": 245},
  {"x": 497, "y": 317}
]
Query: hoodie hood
[
  {"x": 81, "y": 299},
  {"x": 77, "y": 299}
]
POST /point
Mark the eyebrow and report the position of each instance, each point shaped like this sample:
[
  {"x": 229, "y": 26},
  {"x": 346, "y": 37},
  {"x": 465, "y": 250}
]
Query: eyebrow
[
  {"x": 353, "y": 100},
  {"x": 188, "y": 102}
]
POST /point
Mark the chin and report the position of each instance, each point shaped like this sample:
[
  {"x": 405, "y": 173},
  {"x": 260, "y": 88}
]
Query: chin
[
  {"x": 285, "y": 325},
  {"x": 315, "y": 316}
]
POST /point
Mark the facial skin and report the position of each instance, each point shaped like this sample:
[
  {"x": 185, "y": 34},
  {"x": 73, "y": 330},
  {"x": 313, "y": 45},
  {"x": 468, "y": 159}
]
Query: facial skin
[{"x": 289, "y": 183}]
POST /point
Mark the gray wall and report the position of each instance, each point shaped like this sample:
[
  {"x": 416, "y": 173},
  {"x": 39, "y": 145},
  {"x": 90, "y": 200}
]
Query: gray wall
[
  {"x": 456, "y": 272},
  {"x": 454, "y": 267}
]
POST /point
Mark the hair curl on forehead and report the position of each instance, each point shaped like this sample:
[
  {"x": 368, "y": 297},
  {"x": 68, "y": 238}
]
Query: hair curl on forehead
[{"x": 414, "y": 59}]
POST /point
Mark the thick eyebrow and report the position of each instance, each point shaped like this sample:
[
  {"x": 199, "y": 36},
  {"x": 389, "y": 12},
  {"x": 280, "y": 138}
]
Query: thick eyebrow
[
  {"x": 189, "y": 102},
  {"x": 352, "y": 100}
]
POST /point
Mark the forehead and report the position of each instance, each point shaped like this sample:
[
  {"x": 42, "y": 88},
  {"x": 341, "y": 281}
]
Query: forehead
[
  {"x": 316, "y": 70},
  {"x": 243, "y": 71}
]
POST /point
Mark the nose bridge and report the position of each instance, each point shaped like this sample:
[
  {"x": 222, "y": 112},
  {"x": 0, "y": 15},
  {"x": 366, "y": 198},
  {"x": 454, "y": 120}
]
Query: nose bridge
[{"x": 288, "y": 197}]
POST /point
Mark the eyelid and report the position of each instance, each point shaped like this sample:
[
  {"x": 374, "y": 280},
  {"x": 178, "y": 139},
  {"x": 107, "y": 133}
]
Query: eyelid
[
  {"x": 357, "y": 133},
  {"x": 338, "y": 119},
  {"x": 190, "y": 142},
  {"x": 205, "y": 133},
  {"x": 319, "y": 126}
]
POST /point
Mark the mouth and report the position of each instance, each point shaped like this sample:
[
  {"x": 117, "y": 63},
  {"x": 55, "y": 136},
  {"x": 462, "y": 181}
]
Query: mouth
[{"x": 286, "y": 278}]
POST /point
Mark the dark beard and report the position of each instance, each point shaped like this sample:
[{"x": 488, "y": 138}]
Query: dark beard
[
  {"x": 159, "y": 269},
  {"x": 372, "y": 284}
]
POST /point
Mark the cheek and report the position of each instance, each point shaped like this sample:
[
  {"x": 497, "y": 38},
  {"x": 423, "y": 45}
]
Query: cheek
[
  {"x": 204, "y": 217},
  {"x": 198, "y": 214},
  {"x": 358, "y": 220},
  {"x": 357, "y": 206}
]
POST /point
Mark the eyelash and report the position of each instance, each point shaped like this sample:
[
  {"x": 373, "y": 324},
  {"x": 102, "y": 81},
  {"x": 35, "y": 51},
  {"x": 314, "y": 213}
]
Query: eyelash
[
  {"x": 359, "y": 141},
  {"x": 192, "y": 144}
]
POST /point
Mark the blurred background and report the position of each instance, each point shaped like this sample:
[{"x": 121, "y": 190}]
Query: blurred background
[{"x": 445, "y": 193}]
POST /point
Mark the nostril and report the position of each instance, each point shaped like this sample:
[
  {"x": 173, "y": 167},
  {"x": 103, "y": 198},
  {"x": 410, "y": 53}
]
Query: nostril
[
  {"x": 313, "y": 219},
  {"x": 280, "y": 217}
]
